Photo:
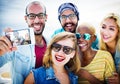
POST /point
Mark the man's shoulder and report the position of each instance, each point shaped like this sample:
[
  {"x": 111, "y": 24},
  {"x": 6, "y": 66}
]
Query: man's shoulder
[{"x": 58, "y": 31}]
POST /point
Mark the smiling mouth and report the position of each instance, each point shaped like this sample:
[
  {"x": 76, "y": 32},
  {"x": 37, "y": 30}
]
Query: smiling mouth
[
  {"x": 106, "y": 37},
  {"x": 59, "y": 58}
]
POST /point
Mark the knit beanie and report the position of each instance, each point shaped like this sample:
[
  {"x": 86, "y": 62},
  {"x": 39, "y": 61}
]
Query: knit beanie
[{"x": 66, "y": 6}]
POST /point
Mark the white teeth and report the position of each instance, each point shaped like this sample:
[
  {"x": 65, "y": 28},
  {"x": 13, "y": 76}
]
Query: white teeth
[
  {"x": 37, "y": 26},
  {"x": 106, "y": 37},
  {"x": 59, "y": 58},
  {"x": 82, "y": 44},
  {"x": 68, "y": 25}
]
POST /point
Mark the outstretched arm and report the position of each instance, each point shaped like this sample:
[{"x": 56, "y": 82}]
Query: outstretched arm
[{"x": 85, "y": 74}]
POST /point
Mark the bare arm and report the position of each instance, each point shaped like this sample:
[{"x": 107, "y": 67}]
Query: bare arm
[
  {"x": 85, "y": 74},
  {"x": 29, "y": 79}
]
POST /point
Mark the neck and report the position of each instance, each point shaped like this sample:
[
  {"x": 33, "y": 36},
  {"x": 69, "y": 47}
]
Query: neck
[
  {"x": 87, "y": 57},
  {"x": 88, "y": 54},
  {"x": 59, "y": 69},
  {"x": 111, "y": 47},
  {"x": 39, "y": 40}
]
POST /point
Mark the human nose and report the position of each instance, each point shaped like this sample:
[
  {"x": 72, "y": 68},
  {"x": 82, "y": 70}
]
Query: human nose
[
  {"x": 68, "y": 19},
  {"x": 36, "y": 20},
  {"x": 61, "y": 50},
  {"x": 105, "y": 32},
  {"x": 81, "y": 38}
]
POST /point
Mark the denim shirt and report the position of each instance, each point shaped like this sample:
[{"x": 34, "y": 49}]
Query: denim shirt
[
  {"x": 44, "y": 75},
  {"x": 22, "y": 61},
  {"x": 117, "y": 60}
]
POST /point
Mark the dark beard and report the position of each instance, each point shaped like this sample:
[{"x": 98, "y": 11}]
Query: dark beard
[
  {"x": 38, "y": 33},
  {"x": 75, "y": 25}
]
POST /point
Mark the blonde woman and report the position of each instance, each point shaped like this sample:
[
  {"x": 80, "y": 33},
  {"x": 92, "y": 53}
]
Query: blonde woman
[
  {"x": 110, "y": 41},
  {"x": 60, "y": 62}
]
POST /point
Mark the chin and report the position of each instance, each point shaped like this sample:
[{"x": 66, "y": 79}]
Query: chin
[{"x": 38, "y": 33}]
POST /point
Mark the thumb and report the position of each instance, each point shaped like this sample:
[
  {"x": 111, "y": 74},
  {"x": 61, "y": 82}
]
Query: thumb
[{"x": 13, "y": 48}]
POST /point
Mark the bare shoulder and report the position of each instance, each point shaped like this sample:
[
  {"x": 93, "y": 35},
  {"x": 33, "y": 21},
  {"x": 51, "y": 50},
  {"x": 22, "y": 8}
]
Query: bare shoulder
[{"x": 29, "y": 79}]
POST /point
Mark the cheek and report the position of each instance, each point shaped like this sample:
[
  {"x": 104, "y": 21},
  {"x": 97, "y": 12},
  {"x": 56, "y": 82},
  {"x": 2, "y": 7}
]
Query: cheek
[
  {"x": 114, "y": 35},
  {"x": 62, "y": 23},
  {"x": 101, "y": 31},
  {"x": 53, "y": 55},
  {"x": 29, "y": 22},
  {"x": 72, "y": 54},
  {"x": 75, "y": 21}
]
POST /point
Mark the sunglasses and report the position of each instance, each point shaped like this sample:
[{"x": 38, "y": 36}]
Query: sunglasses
[
  {"x": 86, "y": 36},
  {"x": 66, "y": 49}
]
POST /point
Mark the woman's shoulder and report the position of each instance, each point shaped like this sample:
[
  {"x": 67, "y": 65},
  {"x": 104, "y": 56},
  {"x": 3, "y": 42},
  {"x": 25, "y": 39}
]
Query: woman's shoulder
[
  {"x": 40, "y": 69},
  {"x": 104, "y": 52}
]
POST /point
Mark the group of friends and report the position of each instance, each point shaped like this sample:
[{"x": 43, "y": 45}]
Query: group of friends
[{"x": 69, "y": 57}]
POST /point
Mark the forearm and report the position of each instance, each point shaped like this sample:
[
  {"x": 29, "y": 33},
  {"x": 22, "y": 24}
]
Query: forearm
[{"x": 89, "y": 77}]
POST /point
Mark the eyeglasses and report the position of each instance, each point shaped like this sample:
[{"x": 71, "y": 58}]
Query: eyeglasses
[
  {"x": 66, "y": 49},
  {"x": 86, "y": 36},
  {"x": 70, "y": 16},
  {"x": 33, "y": 16}
]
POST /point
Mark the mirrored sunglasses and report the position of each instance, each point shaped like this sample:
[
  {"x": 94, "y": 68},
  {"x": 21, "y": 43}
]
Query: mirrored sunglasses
[
  {"x": 66, "y": 49},
  {"x": 85, "y": 36}
]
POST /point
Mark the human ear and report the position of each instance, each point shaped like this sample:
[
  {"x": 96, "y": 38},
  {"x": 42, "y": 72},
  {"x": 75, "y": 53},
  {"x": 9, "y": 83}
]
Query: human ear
[
  {"x": 46, "y": 17},
  {"x": 94, "y": 38},
  {"x": 25, "y": 17}
]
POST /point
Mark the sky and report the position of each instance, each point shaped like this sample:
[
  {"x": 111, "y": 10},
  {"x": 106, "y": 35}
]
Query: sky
[{"x": 91, "y": 11}]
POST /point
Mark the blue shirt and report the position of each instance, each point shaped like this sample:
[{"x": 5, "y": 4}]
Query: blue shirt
[
  {"x": 117, "y": 60},
  {"x": 44, "y": 75},
  {"x": 22, "y": 61},
  {"x": 58, "y": 31}
]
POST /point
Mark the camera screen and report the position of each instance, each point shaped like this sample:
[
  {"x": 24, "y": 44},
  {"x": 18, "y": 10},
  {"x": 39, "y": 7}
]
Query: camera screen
[{"x": 20, "y": 37}]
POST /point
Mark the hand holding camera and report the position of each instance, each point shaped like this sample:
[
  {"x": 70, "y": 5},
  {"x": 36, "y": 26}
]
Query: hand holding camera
[{"x": 14, "y": 38}]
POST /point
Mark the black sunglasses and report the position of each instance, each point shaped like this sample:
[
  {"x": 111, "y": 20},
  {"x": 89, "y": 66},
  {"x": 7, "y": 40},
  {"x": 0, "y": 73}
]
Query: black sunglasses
[
  {"x": 66, "y": 49},
  {"x": 33, "y": 16},
  {"x": 86, "y": 36}
]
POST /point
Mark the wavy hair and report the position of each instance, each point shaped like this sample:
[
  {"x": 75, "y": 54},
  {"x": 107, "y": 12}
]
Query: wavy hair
[
  {"x": 74, "y": 63},
  {"x": 116, "y": 18}
]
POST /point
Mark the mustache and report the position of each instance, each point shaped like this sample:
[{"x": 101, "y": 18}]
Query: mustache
[
  {"x": 69, "y": 23},
  {"x": 35, "y": 24}
]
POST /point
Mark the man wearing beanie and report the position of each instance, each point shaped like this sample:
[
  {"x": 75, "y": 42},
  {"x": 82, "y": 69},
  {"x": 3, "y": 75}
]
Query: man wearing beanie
[{"x": 68, "y": 16}]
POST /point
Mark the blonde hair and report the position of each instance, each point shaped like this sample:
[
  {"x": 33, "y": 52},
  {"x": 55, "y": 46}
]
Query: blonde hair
[
  {"x": 74, "y": 63},
  {"x": 91, "y": 27},
  {"x": 116, "y": 18}
]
